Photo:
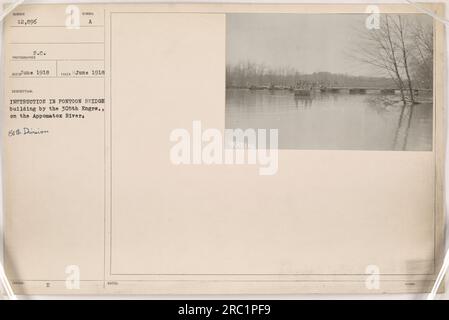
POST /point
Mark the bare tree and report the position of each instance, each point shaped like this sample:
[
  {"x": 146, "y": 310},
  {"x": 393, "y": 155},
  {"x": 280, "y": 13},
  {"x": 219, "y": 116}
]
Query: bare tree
[
  {"x": 400, "y": 29},
  {"x": 422, "y": 39},
  {"x": 380, "y": 50},
  {"x": 402, "y": 47}
]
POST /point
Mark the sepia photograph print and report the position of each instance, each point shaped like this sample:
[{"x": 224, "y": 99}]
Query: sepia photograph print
[
  {"x": 230, "y": 150},
  {"x": 332, "y": 81}
]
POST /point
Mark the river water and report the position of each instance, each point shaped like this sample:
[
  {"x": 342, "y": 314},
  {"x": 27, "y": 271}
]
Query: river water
[{"x": 333, "y": 121}]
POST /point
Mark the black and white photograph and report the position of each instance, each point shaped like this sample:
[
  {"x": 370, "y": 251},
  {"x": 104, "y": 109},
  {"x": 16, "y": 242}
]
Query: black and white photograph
[{"x": 332, "y": 81}]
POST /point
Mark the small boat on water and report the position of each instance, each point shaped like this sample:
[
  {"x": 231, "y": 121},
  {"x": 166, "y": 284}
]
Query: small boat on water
[
  {"x": 253, "y": 87},
  {"x": 302, "y": 92},
  {"x": 275, "y": 87},
  {"x": 387, "y": 91},
  {"x": 357, "y": 91}
]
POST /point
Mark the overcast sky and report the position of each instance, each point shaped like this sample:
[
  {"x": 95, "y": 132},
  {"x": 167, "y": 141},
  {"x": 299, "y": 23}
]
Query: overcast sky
[{"x": 308, "y": 42}]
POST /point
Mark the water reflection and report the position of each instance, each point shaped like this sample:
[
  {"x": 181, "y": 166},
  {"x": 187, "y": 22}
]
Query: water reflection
[
  {"x": 332, "y": 120},
  {"x": 303, "y": 101},
  {"x": 403, "y": 128}
]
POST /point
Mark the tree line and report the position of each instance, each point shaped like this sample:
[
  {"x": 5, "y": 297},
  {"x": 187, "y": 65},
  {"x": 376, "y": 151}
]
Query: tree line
[{"x": 247, "y": 74}]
